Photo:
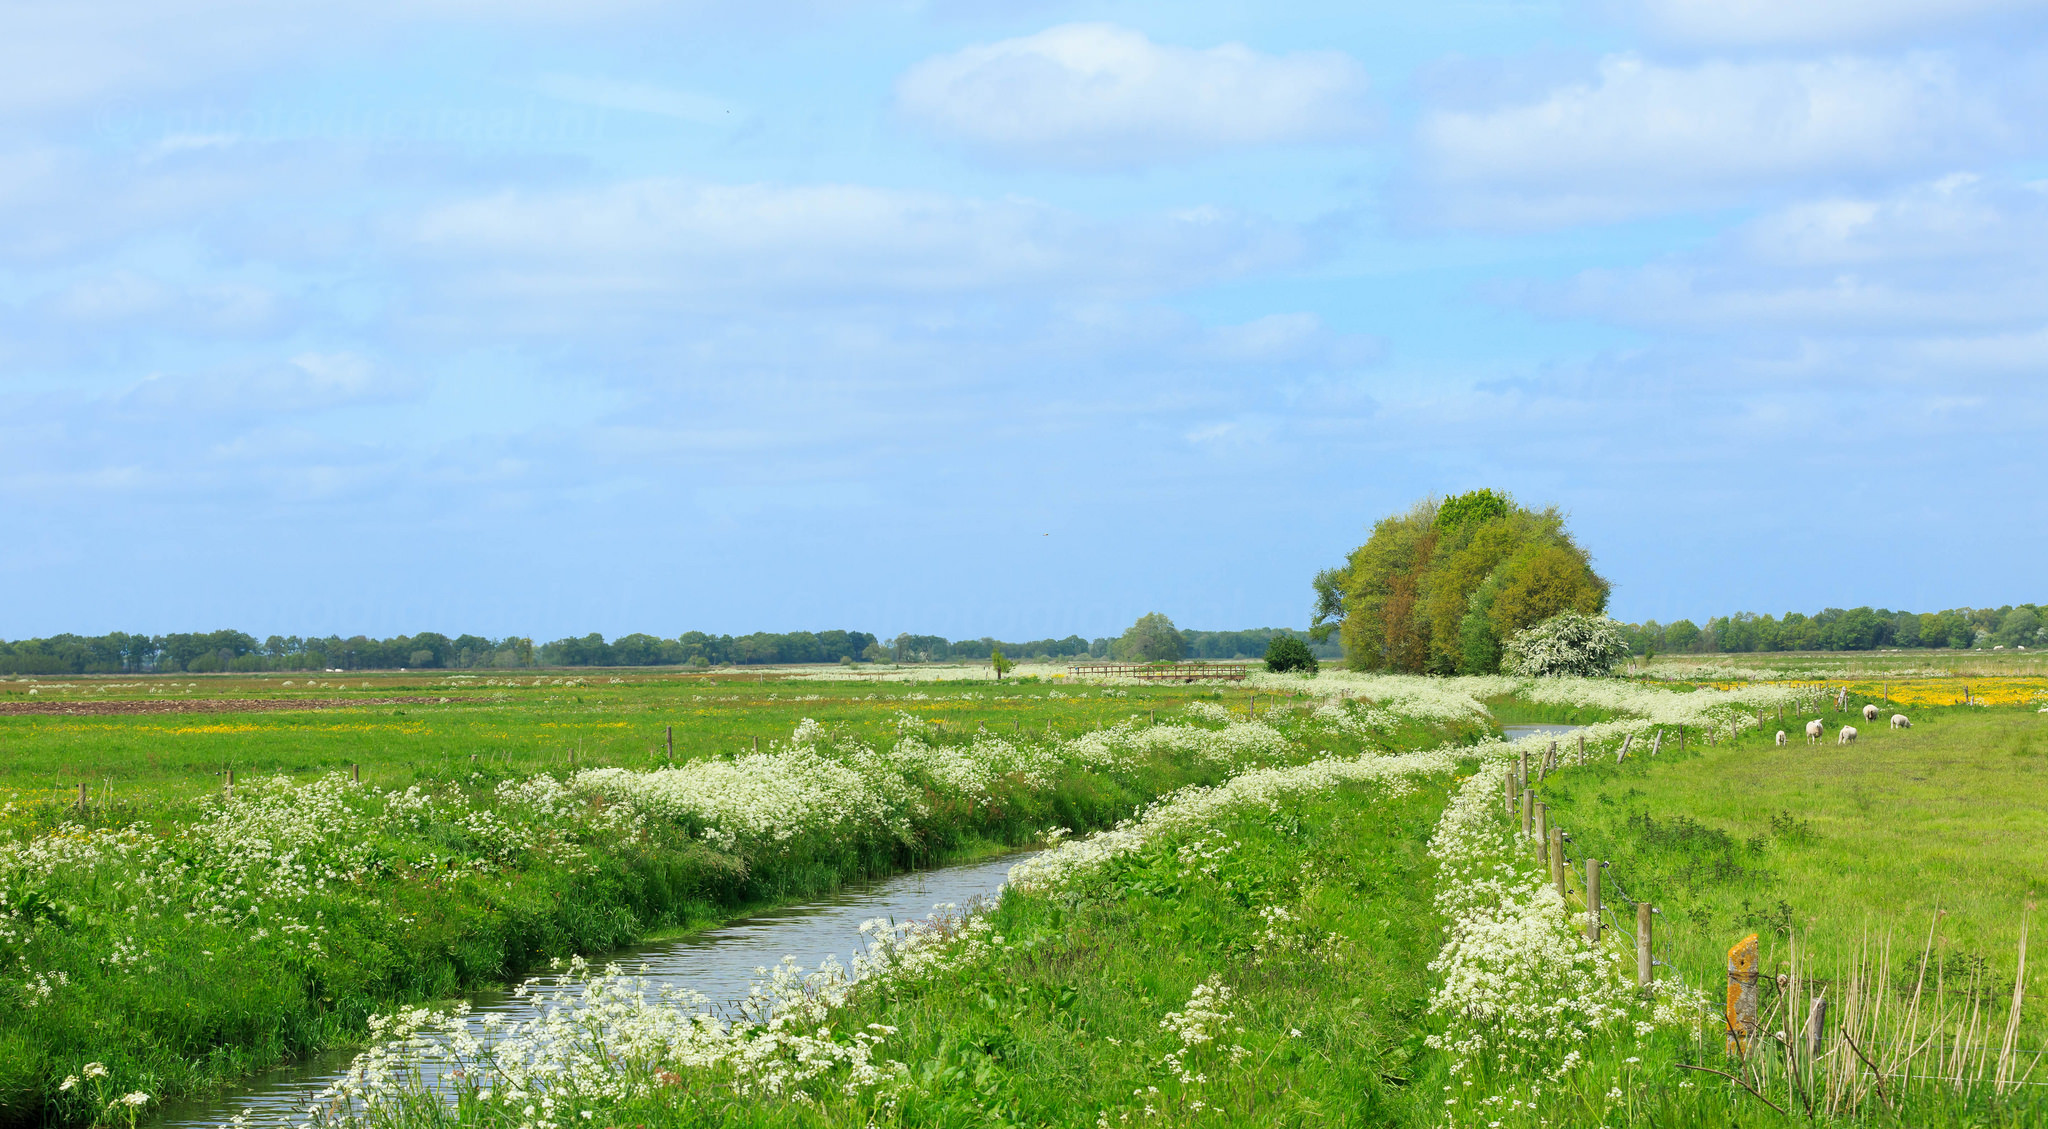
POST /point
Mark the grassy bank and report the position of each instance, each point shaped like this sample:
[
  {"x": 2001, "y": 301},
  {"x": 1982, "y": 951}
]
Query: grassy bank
[
  {"x": 183, "y": 939},
  {"x": 1259, "y": 961},
  {"x": 1833, "y": 844}
]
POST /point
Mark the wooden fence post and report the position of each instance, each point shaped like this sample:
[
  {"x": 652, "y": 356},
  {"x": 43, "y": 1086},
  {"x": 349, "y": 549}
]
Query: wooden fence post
[
  {"x": 1549, "y": 762},
  {"x": 355, "y": 772},
  {"x": 757, "y": 744},
  {"x": 669, "y": 736},
  {"x": 1528, "y": 811},
  {"x": 1816, "y": 1022},
  {"x": 81, "y": 795},
  {"x": 1522, "y": 767},
  {"x": 1656, "y": 742},
  {"x": 1582, "y": 748},
  {"x": 1542, "y": 834},
  {"x": 227, "y": 787},
  {"x": 1626, "y": 738},
  {"x": 1742, "y": 995},
  {"x": 1645, "y": 967},
  {"x": 1681, "y": 738},
  {"x": 1507, "y": 793},
  {"x": 1557, "y": 859},
  {"x": 1593, "y": 899}
]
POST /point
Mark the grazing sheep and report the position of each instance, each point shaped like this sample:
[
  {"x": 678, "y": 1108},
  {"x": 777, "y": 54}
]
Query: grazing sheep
[
  {"x": 1869, "y": 712},
  {"x": 1847, "y": 736},
  {"x": 1781, "y": 738},
  {"x": 1899, "y": 721},
  {"x": 1814, "y": 729}
]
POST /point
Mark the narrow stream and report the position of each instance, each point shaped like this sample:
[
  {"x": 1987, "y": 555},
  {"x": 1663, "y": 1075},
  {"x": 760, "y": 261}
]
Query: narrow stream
[
  {"x": 1517, "y": 732},
  {"x": 718, "y": 962}
]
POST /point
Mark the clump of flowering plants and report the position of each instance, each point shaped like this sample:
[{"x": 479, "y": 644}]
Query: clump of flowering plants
[{"x": 1534, "y": 1016}]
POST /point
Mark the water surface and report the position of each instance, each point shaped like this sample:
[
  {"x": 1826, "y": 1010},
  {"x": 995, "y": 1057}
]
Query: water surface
[{"x": 720, "y": 963}]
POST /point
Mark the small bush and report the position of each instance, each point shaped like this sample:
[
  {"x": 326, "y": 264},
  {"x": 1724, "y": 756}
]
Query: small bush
[{"x": 1287, "y": 653}]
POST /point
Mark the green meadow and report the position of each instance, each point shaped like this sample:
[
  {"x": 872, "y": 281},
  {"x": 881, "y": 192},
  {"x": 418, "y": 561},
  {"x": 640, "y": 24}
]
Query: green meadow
[
  {"x": 1831, "y": 845},
  {"x": 510, "y": 725}
]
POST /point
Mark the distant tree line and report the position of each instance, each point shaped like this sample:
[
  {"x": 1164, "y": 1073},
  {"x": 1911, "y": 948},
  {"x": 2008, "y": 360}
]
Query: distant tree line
[
  {"x": 1856, "y": 629},
  {"x": 208, "y": 652}
]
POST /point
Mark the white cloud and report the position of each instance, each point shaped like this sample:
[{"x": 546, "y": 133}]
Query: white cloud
[
  {"x": 304, "y": 383},
  {"x": 1643, "y": 137},
  {"x": 1927, "y": 283},
  {"x": 60, "y": 55},
  {"x": 1807, "y": 22},
  {"x": 716, "y": 243},
  {"x": 638, "y": 97},
  {"x": 1100, "y": 95}
]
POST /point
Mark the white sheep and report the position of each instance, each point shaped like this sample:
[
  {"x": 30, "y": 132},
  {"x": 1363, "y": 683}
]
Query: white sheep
[
  {"x": 1847, "y": 735},
  {"x": 1781, "y": 738},
  {"x": 1869, "y": 712},
  {"x": 1814, "y": 729},
  {"x": 1899, "y": 721}
]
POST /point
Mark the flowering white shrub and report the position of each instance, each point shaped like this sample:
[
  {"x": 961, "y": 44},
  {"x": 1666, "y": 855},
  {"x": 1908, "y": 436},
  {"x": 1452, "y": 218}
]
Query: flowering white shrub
[{"x": 1567, "y": 645}]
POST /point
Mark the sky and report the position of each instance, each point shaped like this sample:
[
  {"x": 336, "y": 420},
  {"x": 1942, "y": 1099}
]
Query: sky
[{"x": 1004, "y": 317}]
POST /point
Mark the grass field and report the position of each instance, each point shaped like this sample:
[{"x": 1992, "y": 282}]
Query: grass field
[
  {"x": 184, "y": 938},
  {"x": 1385, "y": 951},
  {"x": 1832, "y": 844},
  {"x": 406, "y": 727},
  {"x": 1852, "y": 665}
]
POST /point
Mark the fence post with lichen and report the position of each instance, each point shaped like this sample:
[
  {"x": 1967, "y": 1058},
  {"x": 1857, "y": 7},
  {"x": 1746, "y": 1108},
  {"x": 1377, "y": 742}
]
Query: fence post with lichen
[{"x": 1743, "y": 959}]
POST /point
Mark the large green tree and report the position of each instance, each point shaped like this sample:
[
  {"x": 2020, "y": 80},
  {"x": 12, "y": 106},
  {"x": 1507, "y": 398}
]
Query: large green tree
[
  {"x": 1438, "y": 588},
  {"x": 1153, "y": 638}
]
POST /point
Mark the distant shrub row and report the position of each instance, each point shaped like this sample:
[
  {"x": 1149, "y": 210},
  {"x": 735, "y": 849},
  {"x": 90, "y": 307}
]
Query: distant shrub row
[{"x": 1857, "y": 629}]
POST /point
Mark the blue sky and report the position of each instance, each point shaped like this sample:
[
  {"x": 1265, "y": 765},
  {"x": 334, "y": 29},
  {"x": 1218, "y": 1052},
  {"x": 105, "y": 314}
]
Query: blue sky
[{"x": 1014, "y": 318}]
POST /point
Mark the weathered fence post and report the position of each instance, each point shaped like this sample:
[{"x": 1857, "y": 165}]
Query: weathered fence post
[
  {"x": 1582, "y": 748},
  {"x": 1507, "y": 793},
  {"x": 1557, "y": 859},
  {"x": 1626, "y": 738},
  {"x": 1645, "y": 967},
  {"x": 1549, "y": 762},
  {"x": 1656, "y": 742},
  {"x": 1816, "y": 1022},
  {"x": 1742, "y": 995},
  {"x": 1528, "y": 811},
  {"x": 1522, "y": 767},
  {"x": 1542, "y": 834},
  {"x": 1592, "y": 899},
  {"x": 757, "y": 744},
  {"x": 81, "y": 795},
  {"x": 668, "y": 733},
  {"x": 227, "y": 787},
  {"x": 355, "y": 772},
  {"x": 1681, "y": 738}
]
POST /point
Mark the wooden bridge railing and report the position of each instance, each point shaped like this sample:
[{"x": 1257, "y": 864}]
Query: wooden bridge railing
[{"x": 1163, "y": 672}]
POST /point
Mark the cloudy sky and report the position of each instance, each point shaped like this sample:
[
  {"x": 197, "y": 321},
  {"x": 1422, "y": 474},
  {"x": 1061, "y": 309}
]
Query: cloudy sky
[{"x": 1017, "y": 317}]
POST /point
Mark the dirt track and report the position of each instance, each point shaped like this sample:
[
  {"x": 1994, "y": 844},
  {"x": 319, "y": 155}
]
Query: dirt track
[{"x": 201, "y": 705}]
